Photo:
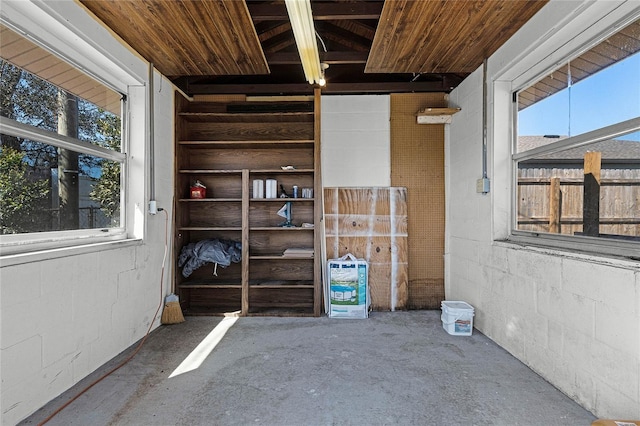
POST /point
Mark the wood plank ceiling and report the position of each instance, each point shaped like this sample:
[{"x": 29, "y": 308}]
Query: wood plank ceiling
[
  {"x": 372, "y": 46},
  {"x": 187, "y": 37},
  {"x": 444, "y": 36}
]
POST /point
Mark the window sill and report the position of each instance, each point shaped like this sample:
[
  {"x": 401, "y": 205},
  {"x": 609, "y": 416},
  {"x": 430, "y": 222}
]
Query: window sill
[
  {"x": 59, "y": 252},
  {"x": 619, "y": 254}
]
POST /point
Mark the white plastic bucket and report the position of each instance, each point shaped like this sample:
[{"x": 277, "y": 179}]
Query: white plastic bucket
[{"x": 457, "y": 318}]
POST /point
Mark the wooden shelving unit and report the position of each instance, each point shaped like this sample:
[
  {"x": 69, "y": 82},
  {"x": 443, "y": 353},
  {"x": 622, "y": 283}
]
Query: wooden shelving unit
[{"x": 226, "y": 146}]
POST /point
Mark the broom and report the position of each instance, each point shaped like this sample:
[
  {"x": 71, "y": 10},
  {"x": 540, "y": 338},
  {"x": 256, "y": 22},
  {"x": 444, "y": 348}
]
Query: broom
[{"x": 172, "y": 312}]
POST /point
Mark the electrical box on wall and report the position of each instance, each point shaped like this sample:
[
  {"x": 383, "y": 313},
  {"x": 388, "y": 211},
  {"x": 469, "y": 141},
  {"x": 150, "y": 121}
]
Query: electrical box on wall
[{"x": 482, "y": 185}]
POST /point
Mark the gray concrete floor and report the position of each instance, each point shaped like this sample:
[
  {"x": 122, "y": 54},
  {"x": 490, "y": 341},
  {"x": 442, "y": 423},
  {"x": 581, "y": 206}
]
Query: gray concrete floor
[{"x": 394, "y": 368}]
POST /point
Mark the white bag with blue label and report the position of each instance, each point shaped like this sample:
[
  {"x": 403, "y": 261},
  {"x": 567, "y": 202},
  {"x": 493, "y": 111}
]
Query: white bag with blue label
[{"x": 348, "y": 290}]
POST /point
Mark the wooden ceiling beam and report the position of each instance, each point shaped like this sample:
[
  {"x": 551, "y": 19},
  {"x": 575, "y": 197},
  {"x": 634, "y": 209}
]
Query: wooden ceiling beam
[
  {"x": 331, "y": 58},
  {"x": 343, "y": 58},
  {"x": 330, "y": 88},
  {"x": 281, "y": 42},
  {"x": 321, "y": 11},
  {"x": 347, "y": 38},
  {"x": 356, "y": 27},
  {"x": 282, "y": 28},
  {"x": 386, "y": 87},
  {"x": 347, "y": 42}
]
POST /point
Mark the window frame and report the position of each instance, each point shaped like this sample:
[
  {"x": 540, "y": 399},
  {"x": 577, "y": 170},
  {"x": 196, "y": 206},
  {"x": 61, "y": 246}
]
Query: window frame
[
  {"x": 16, "y": 243},
  {"x": 70, "y": 34},
  {"x": 598, "y": 245},
  {"x": 575, "y": 243}
]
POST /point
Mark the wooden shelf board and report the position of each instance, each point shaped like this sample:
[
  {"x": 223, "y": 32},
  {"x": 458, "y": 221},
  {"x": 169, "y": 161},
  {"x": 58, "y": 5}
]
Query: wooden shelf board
[
  {"x": 238, "y": 171},
  {"x": 279, "y": 228},
  {"x": 210, "y": 171},
  {"x": 284, "y": 286},
  {"x": 271, "y": 200},
  {"x": 278, "y": 284},
  {"x": 435, "y": 115},
  {"x": 210, "y": 228},
  {"x": 273, "y": 171},
  {"x": 209, "y": 200},
  {"x": 437, "y": 111},
  {"x": 247, "y": 117},
  {"x": 209, "y": 286},
  {"x": 280, "y": 312},
  {"x": 208, "y": 282},
  {"x": 278, "y": 257},
  {"x": 235, "y": 144}
]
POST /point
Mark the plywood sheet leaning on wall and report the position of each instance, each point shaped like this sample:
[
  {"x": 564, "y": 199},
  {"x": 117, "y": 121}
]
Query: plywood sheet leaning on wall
[{"x": 371, "y": 223}]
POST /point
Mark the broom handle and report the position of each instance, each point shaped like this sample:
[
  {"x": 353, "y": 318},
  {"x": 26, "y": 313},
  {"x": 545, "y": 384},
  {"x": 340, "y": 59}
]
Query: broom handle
[{"x": 171, "y": 247}]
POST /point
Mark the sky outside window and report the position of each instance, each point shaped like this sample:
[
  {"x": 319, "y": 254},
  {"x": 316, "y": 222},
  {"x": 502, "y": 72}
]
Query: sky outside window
[{"x": 607, "y": 97}]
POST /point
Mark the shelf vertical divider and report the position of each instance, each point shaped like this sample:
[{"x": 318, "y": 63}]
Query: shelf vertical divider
[
  {"x": 245, "y": 243},
  {"x": 318, "y": 209}
]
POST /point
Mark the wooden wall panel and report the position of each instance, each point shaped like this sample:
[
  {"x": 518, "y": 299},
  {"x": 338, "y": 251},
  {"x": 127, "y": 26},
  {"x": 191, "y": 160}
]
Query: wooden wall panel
[{"x": 371, "y": 223}]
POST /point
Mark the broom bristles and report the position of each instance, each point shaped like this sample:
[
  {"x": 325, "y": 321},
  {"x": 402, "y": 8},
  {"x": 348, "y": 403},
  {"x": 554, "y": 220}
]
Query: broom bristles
[{"x": 172, "y": 313}]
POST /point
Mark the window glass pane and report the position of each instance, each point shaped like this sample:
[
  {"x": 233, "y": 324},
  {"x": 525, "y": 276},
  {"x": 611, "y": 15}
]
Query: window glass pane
[
  {"x": 608, "y": 97},
  {"x": 44, "y": 188},
  {"x": 595, "y": 90},
  {"x": 31, "y": 100},
  {"x": 557, "y": 195},
  {"x": 583, "y": 185}
]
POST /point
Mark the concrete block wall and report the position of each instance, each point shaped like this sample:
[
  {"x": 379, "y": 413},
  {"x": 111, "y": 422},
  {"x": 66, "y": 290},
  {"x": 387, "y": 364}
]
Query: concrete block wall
[
  {"x": 62, "y": 318},
  {"x": 355, "y": 141},
  {"x": 573, "y": 318},
  {"x": 65, "y": 312}
]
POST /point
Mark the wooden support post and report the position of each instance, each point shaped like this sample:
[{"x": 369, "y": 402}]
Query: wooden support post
[
  {"x": 244, "y": 278},
  {"x": 591, "y": 200},
  {"x": 555, "y": 206},
  {"x": 319, "y": 254}
]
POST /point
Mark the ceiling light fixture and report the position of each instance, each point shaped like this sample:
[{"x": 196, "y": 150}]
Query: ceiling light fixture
[
  {"x": 304, "y": 32},
  {"x": 323, "y": 66}
]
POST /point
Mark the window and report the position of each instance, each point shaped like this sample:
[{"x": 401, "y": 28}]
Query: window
[
  {"x": 577, "y": 149},
  {"x": 61, "y": 159}
]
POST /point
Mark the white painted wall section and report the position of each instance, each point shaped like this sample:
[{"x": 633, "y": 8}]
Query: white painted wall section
[
  {"x": 65, "y": 312},
  {"x": 573, "y": 318},
  {"x": 355, "y": 141}
]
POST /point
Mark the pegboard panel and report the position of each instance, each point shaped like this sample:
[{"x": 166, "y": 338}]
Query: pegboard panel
[{"x": 417, "y": 163}]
